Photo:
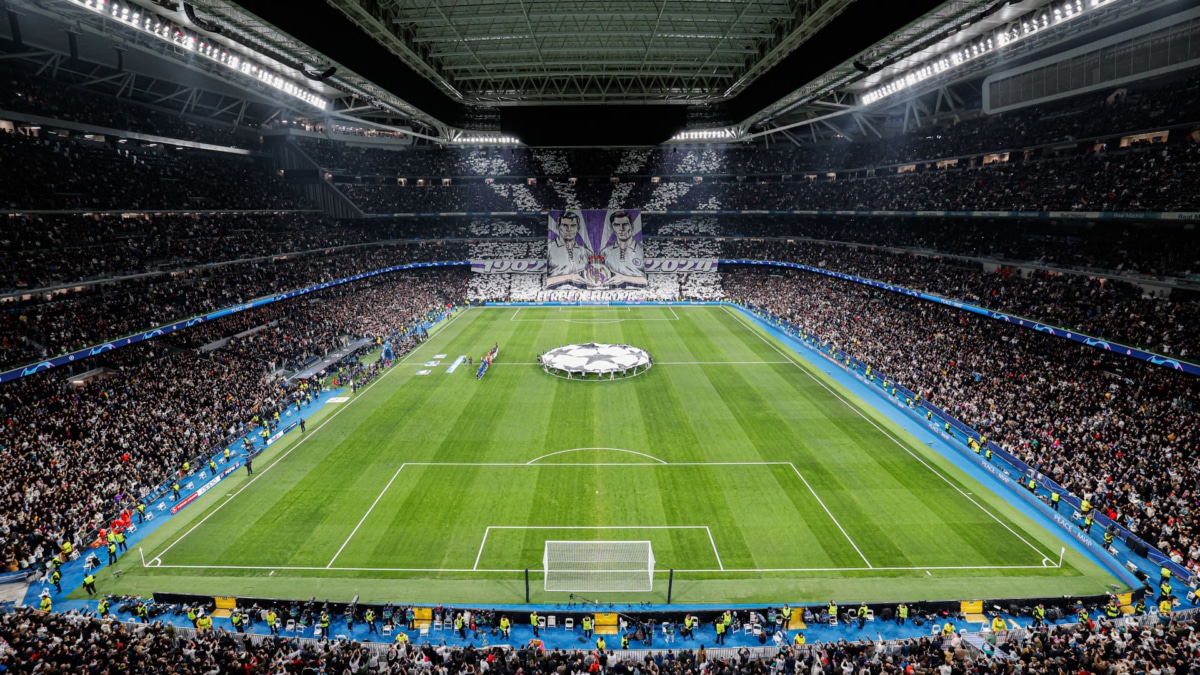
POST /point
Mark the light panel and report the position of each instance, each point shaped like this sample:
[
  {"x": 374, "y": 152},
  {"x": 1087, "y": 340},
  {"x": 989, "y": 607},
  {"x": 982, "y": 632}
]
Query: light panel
[
  {"x": 1029, "y": 24},
  {"x": 163, "y": 29}
]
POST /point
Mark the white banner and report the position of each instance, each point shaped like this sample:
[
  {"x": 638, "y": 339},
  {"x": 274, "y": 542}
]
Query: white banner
[
  {"x": 680, "y": 265},
  {"x": 508, "y": 266}
]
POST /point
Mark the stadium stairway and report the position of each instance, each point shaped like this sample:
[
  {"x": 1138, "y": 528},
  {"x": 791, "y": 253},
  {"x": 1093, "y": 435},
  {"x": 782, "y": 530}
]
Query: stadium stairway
[{"x": 73, "y": 572}]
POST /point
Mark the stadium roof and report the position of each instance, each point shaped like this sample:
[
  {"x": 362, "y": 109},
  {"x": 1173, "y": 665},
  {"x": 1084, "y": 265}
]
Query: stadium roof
[
  {"x": 550, "y": 72},
  {"x": 523, "y": 61},
  {"x": 527, "y": 52}
]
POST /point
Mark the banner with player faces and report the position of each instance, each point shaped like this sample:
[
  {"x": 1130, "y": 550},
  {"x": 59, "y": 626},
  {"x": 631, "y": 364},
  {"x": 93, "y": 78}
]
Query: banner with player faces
[{"x": 595, "y": 250}]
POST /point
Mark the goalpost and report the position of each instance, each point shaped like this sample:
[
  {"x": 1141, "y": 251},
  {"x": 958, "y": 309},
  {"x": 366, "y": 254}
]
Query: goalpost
[{"x": 599, "y": 566}]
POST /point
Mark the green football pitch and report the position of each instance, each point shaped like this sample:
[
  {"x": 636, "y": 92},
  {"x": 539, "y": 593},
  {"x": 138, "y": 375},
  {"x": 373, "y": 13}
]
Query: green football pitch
[{"x": 753, "y": 475}]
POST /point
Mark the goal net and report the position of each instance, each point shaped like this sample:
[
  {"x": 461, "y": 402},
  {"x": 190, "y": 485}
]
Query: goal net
[{"x": 599, "y": 566}]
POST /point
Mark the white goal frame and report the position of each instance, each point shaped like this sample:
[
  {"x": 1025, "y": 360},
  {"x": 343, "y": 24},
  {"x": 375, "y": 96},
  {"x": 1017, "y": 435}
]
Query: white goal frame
[{"x": 590, "y": 566}]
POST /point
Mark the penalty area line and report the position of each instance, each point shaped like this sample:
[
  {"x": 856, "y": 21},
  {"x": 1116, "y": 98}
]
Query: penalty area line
[
  {"x": 279, "y": 459},
  {"x": 722, "y": 570},
  {"x": 364, "y": 518}
]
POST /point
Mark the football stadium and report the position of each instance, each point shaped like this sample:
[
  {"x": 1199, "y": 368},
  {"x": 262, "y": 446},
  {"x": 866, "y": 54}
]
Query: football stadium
[{"x": 773, "y": 337}]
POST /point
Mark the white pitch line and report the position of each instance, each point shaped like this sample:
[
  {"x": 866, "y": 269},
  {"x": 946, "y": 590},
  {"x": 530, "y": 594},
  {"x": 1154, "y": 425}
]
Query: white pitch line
[
  {"x": 302, "y": 440},
  {"x": 489, "y": 529},
  {"x": 747, "y": 570},
  {"x": 481, "y": 545},
  {"x": 455, "y": 570},
  {"x": 364, "y": 518},
  {"x": 657, "y": 363},
  {"x": 597, "y": 527},
  {"x": 632, "y": 452},
  {"x": 714, "y": 545},
  {"x": 830, "y": 514},
  {"x": 730, "y": 570},
  {"x": 885, "y": 433},
  {"x": 528, "y": 465},
  {"x": 719, "y": 363}
]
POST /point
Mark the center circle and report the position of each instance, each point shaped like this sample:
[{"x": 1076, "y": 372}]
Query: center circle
[{"x": 601, "y": 359}]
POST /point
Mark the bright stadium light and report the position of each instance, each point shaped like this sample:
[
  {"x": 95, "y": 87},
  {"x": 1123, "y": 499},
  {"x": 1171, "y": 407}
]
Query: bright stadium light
[
  {"x": 157, "y": 26},
  {"x": 705, "y": 135},
  {"x": 1016, "y": 30},
  {"x": 485, "y": 139}
]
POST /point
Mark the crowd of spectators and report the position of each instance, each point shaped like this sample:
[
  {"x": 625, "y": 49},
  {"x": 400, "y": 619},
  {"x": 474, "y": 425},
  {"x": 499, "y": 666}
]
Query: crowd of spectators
[
  {"x": 1111, "y": 309},
  {"x": 54, "y": 172},
  {"x": 77, "y": 455},
  {"x": 1146, "y": 178},
  {"x": 1153, "y": 178},
  {"x": 38, "y": 328},
  {"x": 40, "y": 642},
  {"x": 1119, "y": 430},
  {"x": 24, "y": 92},
  {"x": 43, "y": 326},
  {"x": 1163, "y": 249},
  {"x": 41, "y": 250}
]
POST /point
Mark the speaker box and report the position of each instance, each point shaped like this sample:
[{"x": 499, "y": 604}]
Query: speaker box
[
  {"x": 1138, "y": 547},
  {"x": 1054, "y": 614},
  {"x": 1014, "y": 610},
  {"x": 886, "y": 614}
]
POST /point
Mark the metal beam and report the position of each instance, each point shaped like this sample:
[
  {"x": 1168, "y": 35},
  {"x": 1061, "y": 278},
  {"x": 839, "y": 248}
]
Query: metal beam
[
  {"x": 699, "y": 16},
  {"x": 518, "y": 51},
  {"x": 176, "y": 94},
  {"x": 615, "y": 63},
  {"x": 808, "y": 122},
  {"x": 617, "y": 74},
  {"x": 534, "y": 34}
]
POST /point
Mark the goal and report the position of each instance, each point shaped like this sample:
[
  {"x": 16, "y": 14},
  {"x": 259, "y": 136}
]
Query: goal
[{"x": 599, "y": 566}]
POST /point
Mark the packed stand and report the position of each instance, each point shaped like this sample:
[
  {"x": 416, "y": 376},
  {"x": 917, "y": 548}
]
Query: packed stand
[
  {"x": 42, "y": 250},
  {"x": 1163, "y": 249},
  {"x": 1119, "y": 430},
  {"x": 60, "y": 173},
  {"x": 1153, "y": 179},
  {"x": 46, "y": 642},
  {"x": 40, "y": 328},
  {"x": 1114, "y": 310}
]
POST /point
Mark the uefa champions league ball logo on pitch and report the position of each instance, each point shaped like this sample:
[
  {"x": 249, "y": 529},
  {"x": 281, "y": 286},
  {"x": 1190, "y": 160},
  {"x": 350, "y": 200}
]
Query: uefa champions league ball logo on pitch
[{"x": 596, "y": 361}]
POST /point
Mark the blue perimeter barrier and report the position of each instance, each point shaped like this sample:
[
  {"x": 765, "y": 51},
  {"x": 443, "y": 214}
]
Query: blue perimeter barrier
[
  {"x": 1155, "y": 359},
  {"x": 72, "y": 357}
]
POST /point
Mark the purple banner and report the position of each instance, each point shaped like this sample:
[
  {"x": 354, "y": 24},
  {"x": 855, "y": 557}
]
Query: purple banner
[{"x": 595, "y": 249}]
